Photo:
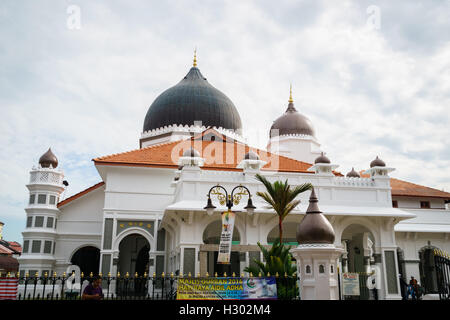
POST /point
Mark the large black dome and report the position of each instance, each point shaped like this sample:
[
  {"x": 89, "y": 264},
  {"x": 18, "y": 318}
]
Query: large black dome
[{"x": 192, "y": 99}]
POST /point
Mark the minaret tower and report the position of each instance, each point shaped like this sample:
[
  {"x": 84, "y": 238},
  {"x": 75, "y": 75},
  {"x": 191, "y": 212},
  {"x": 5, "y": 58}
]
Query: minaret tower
[
  {"x": 292, "y": 135},
  {"x": 39, "y": 237}
]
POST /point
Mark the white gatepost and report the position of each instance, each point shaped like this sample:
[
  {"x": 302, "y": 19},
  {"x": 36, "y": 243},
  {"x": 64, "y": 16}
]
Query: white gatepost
[
  {"x": 318, "y": 271},
  {"x": 317, "y": 257}
]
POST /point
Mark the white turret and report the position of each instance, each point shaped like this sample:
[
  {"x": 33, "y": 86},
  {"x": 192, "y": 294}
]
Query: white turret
[{"x": 45, "y": 187}]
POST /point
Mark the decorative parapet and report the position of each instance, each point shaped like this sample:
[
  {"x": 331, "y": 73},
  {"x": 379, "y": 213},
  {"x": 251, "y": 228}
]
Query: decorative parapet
[
  {"x": 40, "y": 175},
  {"x": 353, "y": 182},
  {"x": 190, "y": 129},
  {"x": 298, "y": 136}
]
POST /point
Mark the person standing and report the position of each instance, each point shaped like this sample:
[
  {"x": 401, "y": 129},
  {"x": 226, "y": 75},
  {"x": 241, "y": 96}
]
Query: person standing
[
  {"x": 93, "y": 291},
  {"x": 413, "y": 288}
]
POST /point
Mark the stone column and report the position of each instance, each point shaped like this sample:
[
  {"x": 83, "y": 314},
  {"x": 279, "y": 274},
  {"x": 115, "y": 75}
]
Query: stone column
[
  {"x": 318, "y": 273},
  {"x": 380, "y": 274},
  {"x": 203, "y": 263},
  {"x": 366, "y": 264},
  {"x": 344, "y": 257}
]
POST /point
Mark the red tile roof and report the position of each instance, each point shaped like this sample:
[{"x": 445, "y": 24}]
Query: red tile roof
[
  {"x": 409, "y": 189},
  {"x": 15, "y": 246},
  {"x": 218, "y": 155},
  {"x": 5, "y": 250},
  {"x": 404, "y": 188},
  {"x": 80, "y": 194}
]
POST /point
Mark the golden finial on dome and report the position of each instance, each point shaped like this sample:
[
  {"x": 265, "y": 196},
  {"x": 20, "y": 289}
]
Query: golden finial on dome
[
  {"x": 195, "y": 57},
  {"x": 290, "y": 94}
]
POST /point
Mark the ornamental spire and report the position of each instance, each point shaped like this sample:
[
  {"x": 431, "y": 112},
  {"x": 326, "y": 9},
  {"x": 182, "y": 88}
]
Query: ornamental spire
[
  {"x": 195, "y": 57},
  {"x": 290, "y": 94}
]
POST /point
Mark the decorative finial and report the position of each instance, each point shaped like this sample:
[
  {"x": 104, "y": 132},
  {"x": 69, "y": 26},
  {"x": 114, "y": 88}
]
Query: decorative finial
[
  {"x": 290, "y": 95},
  {"x": 195, "y": 57}
]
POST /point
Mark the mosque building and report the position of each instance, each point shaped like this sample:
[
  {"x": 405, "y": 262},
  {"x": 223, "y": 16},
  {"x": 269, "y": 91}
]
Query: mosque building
[{"x": 147, "y": 214}]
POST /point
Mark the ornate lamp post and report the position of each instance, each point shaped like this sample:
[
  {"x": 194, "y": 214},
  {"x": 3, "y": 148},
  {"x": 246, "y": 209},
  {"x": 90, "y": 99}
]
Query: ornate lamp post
[{"x": 229, "y": 199}]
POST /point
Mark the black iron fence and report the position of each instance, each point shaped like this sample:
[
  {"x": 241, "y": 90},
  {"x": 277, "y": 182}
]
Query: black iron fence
[
  {"x": 442, "y": 263},
  {"x": 124, "y": 287}
]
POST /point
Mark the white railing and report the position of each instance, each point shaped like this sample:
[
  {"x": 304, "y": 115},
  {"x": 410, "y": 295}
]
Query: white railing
[
  {"x": 192, "y": 128},
  {"x": 46, "y": 176},
  {"x": 353, "y": 182}
]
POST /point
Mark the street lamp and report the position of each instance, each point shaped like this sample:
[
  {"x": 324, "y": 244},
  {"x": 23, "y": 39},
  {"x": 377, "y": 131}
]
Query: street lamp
[{"x": 229, "y": 199}]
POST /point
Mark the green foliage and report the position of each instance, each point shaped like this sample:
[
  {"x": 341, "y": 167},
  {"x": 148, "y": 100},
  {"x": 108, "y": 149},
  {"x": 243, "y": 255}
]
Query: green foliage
[
  {"x": 278, "y": 261},
  {"x": 281, "y": 198}
]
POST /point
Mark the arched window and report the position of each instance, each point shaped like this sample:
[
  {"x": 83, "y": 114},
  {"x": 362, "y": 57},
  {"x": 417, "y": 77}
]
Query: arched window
[
  {"x": 212, "y": 233},
  {"x": 308, "y": 269},
  {"x": 321, "y": 269}
]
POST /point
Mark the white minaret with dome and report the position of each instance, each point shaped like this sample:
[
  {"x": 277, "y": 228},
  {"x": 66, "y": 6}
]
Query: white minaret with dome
[{"x": 45, "y": 187}]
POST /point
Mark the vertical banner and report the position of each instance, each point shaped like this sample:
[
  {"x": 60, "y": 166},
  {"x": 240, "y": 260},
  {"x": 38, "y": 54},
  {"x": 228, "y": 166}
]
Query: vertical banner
[{"x": 226, "y": 237}]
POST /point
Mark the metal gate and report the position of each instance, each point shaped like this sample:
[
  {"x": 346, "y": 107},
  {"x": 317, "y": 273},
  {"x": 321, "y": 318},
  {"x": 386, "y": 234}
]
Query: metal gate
[{"x": 442, "y": 263}]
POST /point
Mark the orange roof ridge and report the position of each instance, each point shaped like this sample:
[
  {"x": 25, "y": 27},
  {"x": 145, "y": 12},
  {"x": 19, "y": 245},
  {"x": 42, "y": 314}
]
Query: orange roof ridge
[
  {"x": 134, "y": 150},
  {"x": 80, "y": 194},
  {"x": 285, "y": 157},
  {"x": 201, "y": 134},
  {"x": 161, "y": 157}
]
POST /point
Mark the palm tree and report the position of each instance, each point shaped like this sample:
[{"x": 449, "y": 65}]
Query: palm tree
[{"x": 281, "y": 198}]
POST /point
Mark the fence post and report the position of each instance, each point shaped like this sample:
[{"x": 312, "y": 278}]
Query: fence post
[{"x": 339, "y": 282}]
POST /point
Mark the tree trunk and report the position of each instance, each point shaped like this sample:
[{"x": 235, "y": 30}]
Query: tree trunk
[{"x": 280, "y": 228}]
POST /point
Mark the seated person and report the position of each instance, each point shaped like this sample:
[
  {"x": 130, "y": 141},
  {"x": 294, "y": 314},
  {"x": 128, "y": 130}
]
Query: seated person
[{"x": 93, "y": 291}]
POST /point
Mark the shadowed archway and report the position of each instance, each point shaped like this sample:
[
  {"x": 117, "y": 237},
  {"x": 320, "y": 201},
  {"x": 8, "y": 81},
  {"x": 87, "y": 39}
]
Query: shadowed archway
[{"x": 88, "y": 259}]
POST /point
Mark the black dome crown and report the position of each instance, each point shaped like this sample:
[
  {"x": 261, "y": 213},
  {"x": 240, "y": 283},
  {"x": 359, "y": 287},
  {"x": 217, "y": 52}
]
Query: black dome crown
[
  {"x": 192, "y": 99},
  {"x": 292, "y": 122},
  {"x": 353, "y": 174},
  {"x": 48, "y": 159},
  {"x": 314, "y": 228},
  {"x": 377, "y": 163},
  {"x": 322, "y": 159}
]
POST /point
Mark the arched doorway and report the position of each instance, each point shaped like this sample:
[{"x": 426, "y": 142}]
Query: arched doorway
[
  {"x": 133, "y": 255},
  {"x": 427, "y": 269},
  {"x": 289, "y": 234},
  {"x": 360, "y": 245},
  {"x": 88, "y": 259},
  {"x": 360, "y": 248},
  {"x": 133, "y": 258},
  {"x": 211, "y": 235}
]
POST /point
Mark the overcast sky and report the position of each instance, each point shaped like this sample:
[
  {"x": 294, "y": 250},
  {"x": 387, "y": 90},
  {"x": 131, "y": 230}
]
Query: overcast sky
[{"x": 373, "y": 77}]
